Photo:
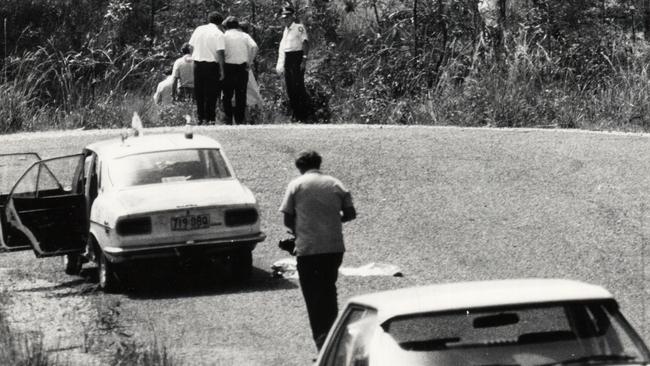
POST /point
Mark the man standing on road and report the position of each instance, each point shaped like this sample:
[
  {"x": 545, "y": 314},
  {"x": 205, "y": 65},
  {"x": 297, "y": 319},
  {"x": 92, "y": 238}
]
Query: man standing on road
[
  {"x": 315, "y": 205},
  {"x": 239, "y": 54},
  {"x": 208, "y": 55},
  {"x": 292, "y": 60}
]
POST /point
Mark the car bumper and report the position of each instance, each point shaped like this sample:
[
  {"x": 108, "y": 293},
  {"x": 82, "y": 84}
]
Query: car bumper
[{"x": 184, "y": 248}]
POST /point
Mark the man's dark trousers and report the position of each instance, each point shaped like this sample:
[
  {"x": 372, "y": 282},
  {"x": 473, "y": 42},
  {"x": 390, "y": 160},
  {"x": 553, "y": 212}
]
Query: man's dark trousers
[
  {"x": 206, "y": 90},
  {"x": 235, "y": 82},
  {"x": 318, "y": 274},
  {"x": 294, "y": 78}
]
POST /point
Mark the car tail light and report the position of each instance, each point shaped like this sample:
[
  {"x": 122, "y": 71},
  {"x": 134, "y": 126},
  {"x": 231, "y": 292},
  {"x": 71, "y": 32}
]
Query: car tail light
[
  {"x": 134, "y": 226},
  {"x": 242, "y": 216}
]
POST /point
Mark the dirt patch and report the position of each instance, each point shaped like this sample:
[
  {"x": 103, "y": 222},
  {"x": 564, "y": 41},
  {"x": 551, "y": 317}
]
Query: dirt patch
[{"x": 59, "y": 315}]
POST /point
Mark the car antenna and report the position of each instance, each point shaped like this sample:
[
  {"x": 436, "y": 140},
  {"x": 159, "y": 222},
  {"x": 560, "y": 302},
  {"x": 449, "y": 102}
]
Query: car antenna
[
  {"x": 136, "y": 125},
  {"x": 189, "y": 133}
]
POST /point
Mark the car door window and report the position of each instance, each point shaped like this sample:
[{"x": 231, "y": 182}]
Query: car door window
[
  {"x": 59, "y": 176},
  {"x": 352, "y": 337},
  {"x": 12, "y": 167},
  {"x": 50, "y": 206},
  {"x": 26, "y": 186}
]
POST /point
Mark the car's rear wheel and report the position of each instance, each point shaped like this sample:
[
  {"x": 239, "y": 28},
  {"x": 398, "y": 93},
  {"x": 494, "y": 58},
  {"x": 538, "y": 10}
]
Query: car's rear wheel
[
  {"x": 241, "y": 265},
  {"x": 72, "y": 264},
  {"x": 108, "y": 280}
]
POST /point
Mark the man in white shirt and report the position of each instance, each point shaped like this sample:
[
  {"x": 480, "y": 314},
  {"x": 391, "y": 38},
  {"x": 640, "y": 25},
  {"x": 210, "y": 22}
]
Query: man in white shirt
[
  {"x": 292, "y": 58},
  {"x": 183, "y": 73},
  {"x": 240, "y": 49},
  {"x": 208, "y": 55}
]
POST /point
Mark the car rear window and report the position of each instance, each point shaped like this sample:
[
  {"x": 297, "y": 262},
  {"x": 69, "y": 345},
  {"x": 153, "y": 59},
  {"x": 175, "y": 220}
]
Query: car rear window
[{"x": 168, "y": 166}]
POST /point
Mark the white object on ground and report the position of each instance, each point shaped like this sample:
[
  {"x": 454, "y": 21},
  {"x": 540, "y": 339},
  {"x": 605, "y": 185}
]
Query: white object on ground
[{"x": 286, "y": 268}]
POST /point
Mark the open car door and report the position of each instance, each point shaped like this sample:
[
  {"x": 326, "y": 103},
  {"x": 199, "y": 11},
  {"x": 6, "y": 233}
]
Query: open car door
[
  {"x": 47, "y": 208},
  {"x": 12, "y": 167}
]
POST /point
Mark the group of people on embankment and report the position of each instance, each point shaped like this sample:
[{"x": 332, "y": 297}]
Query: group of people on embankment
[{"x": 216, "y": 65}]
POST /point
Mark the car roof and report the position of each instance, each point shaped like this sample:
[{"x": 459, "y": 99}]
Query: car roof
[
  {"x": 115, "y": 148},
  {"x": 477, "y": 294}
]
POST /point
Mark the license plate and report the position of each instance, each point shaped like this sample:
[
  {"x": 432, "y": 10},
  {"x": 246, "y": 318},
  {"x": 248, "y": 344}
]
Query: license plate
[{"x": 190, "y": 222}]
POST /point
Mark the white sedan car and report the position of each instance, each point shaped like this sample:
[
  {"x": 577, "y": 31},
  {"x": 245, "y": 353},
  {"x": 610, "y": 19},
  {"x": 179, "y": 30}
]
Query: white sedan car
[
  {"x": 123, "y": 200},
  {"x": 530, "y": 322}
]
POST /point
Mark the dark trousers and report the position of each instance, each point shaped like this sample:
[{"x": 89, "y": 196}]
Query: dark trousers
[
  {"x": 235, "y": 82},
  {"x": 294, "y": 78},
  {"x": 318, "y": 274},
  {"x": 185, "y": 92},
  {"x": 206, "y": 90}
]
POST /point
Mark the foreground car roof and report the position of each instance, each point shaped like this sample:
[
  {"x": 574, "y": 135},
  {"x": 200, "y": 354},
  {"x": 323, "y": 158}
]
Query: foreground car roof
[
  {"x": 135, "y": 145},
  {"x": 465, "y": 295}
]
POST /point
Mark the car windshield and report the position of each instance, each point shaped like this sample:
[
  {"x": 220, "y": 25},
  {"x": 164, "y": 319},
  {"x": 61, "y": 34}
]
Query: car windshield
[
  {"x": 593, "y": 333},
  {"x": 168, "y": 166}
]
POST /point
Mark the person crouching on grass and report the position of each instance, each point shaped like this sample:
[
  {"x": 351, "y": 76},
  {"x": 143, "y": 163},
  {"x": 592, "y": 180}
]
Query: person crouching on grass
[{"x": 315, "y": 205}]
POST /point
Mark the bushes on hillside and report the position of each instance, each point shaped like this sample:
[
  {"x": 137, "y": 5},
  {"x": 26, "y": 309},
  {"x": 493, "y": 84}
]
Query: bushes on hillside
[{"x": 375, "y": 61}]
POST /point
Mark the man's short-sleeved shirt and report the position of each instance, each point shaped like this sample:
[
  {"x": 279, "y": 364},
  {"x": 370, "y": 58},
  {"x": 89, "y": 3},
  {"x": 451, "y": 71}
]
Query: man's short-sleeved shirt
[
  {"x": 293, "y": 37},
  {"x": 316, "y": 201},
  {"x": 239, "y": 46},
  {"x": 183, "y": 69},
  {"x": 206, "y": 40}
]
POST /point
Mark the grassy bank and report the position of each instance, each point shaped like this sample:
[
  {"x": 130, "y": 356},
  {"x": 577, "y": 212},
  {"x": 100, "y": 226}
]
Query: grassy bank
[{"x": 531, "y": 90}]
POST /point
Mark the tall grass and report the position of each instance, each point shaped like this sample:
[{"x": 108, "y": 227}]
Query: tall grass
[
  {"x": 533, "y": 90},
  {"x": 97, "y": 88}
]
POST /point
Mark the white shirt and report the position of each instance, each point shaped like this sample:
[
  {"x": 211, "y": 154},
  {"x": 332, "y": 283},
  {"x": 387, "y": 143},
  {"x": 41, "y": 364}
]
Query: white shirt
[
  {"x": 292, "y": 39},
  {"x": 316, "y": 201},
  {"x": 239, "y": 47},
  {"x": 207, "y": 39},
  {"x": 183, "y": 69},
  {"x": 163, "y": 93}
]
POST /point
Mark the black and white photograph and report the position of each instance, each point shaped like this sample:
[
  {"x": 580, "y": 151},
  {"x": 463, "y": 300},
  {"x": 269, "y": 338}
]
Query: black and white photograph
[{"x": 324, "y": 182}]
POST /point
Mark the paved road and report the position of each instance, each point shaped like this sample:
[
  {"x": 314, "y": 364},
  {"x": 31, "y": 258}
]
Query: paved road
[{"x": 444, "y": 204}]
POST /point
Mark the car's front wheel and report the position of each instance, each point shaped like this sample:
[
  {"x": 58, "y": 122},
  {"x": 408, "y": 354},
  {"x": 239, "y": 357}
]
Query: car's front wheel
[
  {"x": 72, "y": 264},
  {"x": 108, "y": 280}
]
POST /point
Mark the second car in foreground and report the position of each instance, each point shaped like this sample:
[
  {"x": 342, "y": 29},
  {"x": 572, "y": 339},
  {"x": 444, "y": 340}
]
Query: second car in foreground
[{"x": 530, "y": 322}]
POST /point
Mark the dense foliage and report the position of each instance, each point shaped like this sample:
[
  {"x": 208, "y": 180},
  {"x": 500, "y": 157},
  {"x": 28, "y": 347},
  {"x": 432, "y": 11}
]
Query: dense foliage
[{"x": 91, "y": 63}]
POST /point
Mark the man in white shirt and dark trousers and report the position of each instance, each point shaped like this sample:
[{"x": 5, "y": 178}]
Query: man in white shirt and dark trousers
[
  {"x": 292, "y": 58},
  {"x": 315, "y": 206},
  {"x": 208, "y": 55},
  {"x": 240, "y": 50}
]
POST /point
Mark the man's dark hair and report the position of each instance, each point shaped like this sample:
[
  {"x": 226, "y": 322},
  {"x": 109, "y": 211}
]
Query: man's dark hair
[
  {"x": 215, "y": 18},
  {"x": 307, "y": 160},
  {"x": 231, "y": 23},
  {"x": 186, "y": 49}
]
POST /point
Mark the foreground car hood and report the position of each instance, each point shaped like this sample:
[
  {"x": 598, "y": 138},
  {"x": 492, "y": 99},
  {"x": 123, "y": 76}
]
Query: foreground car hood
[{"x": 170, "y": 196}]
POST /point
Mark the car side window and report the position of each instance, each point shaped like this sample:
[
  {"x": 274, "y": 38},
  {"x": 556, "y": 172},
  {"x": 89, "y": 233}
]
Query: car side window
[
  {"x": 59, "y": 175},
  {"x": 26, "y": 187},
  {"x": 351, "y": 339}
]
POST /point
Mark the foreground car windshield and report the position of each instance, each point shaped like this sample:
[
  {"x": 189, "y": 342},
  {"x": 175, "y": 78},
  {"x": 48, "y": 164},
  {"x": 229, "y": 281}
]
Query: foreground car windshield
[
  {"x": 577, "y": 333},
  {"x": 168, "y": 166}
]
